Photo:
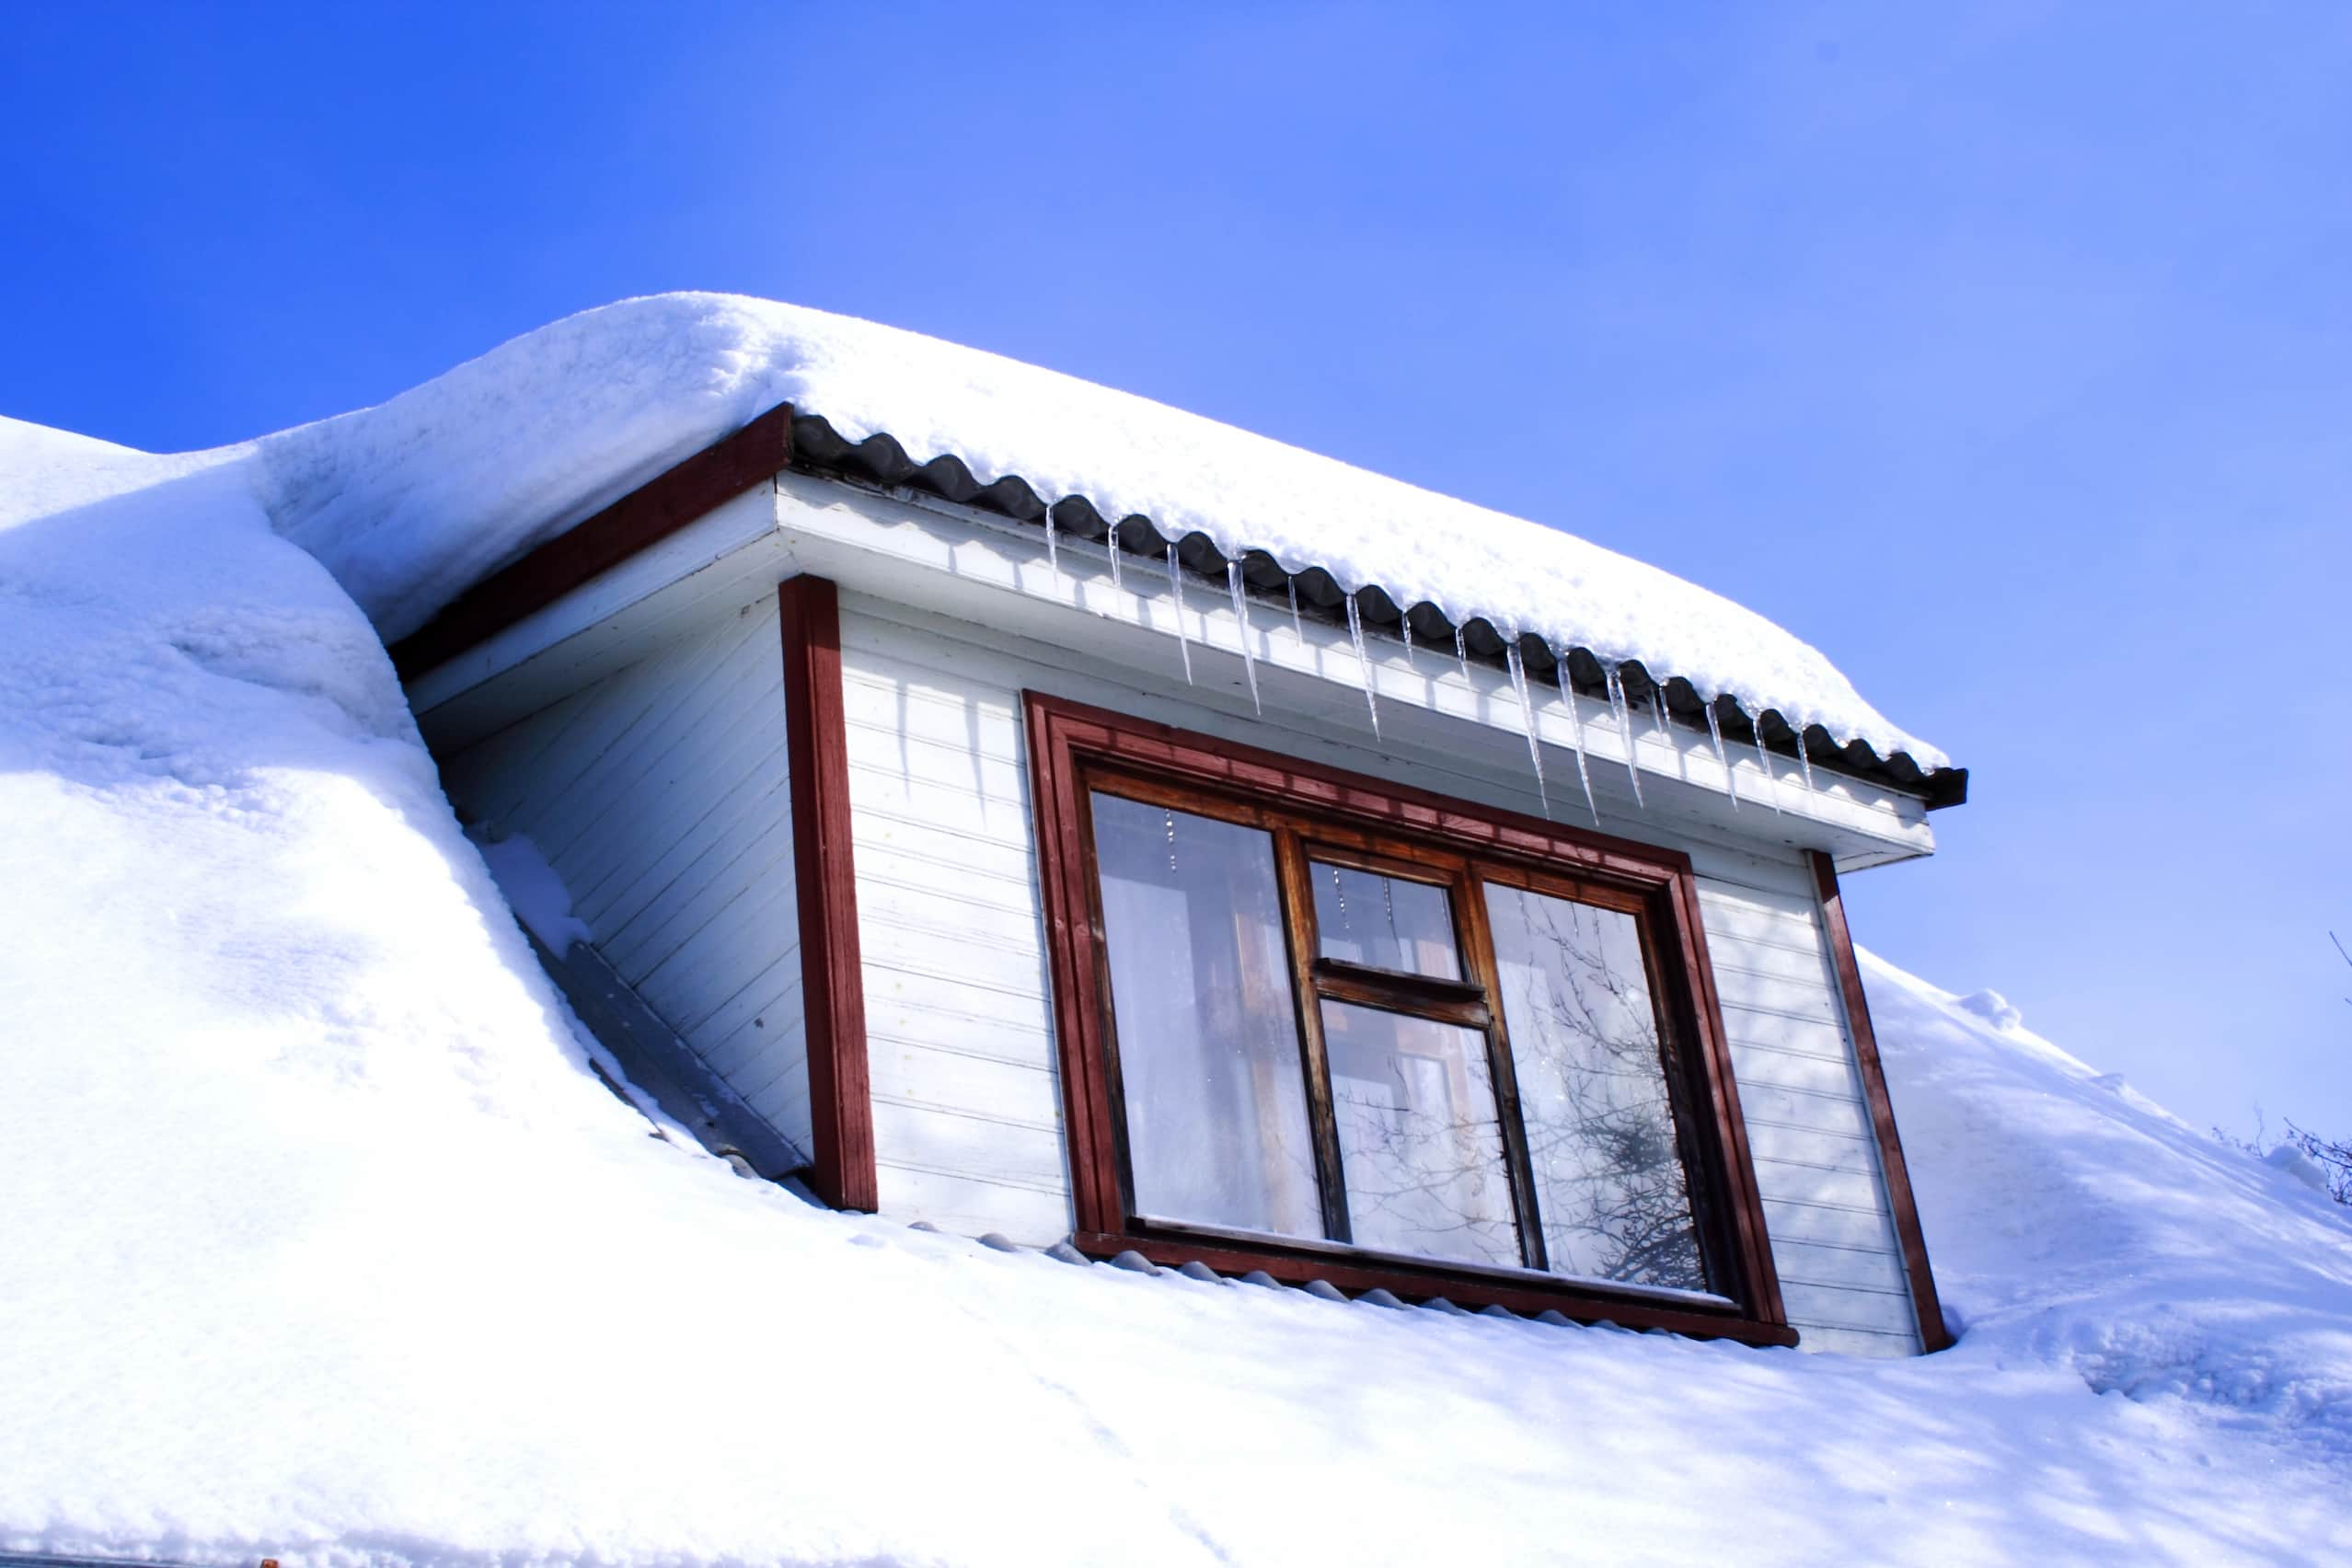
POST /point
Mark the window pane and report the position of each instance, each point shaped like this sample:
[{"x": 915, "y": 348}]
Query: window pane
[
  {"x": 1420, "y": 1147},
  {"x": 1365, "y": 917},
  {"x": 1593, "y": 1091},
  {"x": 1208, "y": 1033}
]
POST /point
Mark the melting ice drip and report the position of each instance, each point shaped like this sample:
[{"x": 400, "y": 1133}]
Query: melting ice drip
[
  {"x": 1715, "y": 734},
  {"x": 1184, "y": 636},
  {"x": 1621, "y": 713},
  {"x": 1363, "y": 661},
  {"x": 1575, "y": 730},
  {"x": 1241, "y": 616},
  {"x": 1526, "y": 718}
]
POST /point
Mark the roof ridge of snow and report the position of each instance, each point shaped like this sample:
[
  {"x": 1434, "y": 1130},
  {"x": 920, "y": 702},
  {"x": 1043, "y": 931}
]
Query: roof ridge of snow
[{"x": 415, "y": 500}]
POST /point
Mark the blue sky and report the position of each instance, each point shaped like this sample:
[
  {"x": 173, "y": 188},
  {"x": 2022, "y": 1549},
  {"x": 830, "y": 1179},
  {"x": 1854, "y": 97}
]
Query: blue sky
[{"x": 2004, "y": 352}]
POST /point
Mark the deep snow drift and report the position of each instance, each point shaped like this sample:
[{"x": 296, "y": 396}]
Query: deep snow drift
[
  {"x": 322, "y": 1241},
  {"x": 409, "y": 503}
]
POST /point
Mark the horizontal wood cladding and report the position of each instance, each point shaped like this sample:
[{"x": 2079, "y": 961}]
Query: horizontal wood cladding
[
  {"x": 658, "y": 795},
  {"x": 654, "y": 510},
  {"x": 968, "y": 1106},
  {"x": 954, "y": 961}
]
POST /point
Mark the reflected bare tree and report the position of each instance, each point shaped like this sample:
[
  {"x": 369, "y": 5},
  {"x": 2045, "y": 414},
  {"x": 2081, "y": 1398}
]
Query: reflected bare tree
[
  {"x": 1425, "y": 1177},
  {"x": 1599, "y": 1125}
]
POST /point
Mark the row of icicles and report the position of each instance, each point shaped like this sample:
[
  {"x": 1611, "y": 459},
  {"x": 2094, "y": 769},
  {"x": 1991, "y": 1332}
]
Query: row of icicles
[{"x": 1621, "y": 705}]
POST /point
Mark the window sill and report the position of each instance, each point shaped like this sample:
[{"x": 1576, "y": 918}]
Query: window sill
[{"x": 1519, "y": 1290}]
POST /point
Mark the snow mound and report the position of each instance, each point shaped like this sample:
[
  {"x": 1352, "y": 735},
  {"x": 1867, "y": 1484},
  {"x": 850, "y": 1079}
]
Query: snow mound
[
  {"x": 410, "y": 502},
  {"x": 323, "y": 1242},
  {"x": 1994, "y": 1008},
  {"x": 2293, "y": 1161},
  {"x": 2082, "y": 1226}
]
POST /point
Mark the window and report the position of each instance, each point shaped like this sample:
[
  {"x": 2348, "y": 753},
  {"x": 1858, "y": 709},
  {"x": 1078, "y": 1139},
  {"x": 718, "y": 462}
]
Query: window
[{"x": 1328, "y": 1027}]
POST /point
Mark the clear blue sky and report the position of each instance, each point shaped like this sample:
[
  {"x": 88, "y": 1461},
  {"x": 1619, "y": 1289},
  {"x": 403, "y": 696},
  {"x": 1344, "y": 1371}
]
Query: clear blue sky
[{"x": 2003, "y": 351}]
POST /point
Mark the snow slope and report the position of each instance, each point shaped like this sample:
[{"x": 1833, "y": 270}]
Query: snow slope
[
  {"x": 321, "y": 1240},
  {"x": 409, "y": 503}
]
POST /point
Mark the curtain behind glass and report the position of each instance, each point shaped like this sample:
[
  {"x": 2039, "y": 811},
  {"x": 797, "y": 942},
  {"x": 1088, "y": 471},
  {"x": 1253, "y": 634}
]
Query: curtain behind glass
[{"x": 1209, "y": 1034}]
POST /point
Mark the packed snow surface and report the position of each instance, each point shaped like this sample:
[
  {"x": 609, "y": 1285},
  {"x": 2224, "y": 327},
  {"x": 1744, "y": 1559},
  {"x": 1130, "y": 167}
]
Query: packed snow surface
[
  {"x": 322, "y": 1241},
  {"x": 410, "y": 502}
]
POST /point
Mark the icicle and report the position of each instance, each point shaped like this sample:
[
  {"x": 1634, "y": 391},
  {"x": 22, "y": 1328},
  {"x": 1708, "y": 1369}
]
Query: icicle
[
  {"x": 1715, "y": 734},
  {"x": 1241, "y": 615},
  {"x": 1363, "y": 661},
  {"x": 1771, "y": 779},
  {"x": 1115, "y": 584},
  {"x": 1053, "y": 549},
  {"x": 1658, "y": 712},
  {"x": 1184, "y": 638},
  {"x": 1407, "y": 624},
  {"x": 1575, "y": 732},
  {"x": 1527, "y": 719},
  {"x": 1805, "y": 760},
  {"x": 1461, "y": 652},
  {"x": 1621, "y": 712},
  {"x": 1297, "y": 626}
]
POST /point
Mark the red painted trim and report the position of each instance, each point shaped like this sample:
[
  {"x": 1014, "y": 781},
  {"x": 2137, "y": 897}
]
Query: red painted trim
[
  {"x": 647, "y": 516},
  {"x": 1075, "y": 944},
  {"x": 1932, "y": 1336},
  {"x": 832, "y": 985}
]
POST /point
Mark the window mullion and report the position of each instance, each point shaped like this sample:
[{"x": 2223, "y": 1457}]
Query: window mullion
[
  {"x": 1298, "y": 909},
  {"x": 1479, "y": 963}
]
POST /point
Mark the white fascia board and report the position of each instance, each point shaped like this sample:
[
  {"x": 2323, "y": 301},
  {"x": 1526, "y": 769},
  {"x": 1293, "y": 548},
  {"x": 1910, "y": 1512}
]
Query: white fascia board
[
  {"x": 980, "y": 569},
  {"x": 715, "y": 565},
  {"x": 974, "y": 567}
]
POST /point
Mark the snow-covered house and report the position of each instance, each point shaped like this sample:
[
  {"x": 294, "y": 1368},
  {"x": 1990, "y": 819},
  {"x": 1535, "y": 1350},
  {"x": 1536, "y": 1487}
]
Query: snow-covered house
[
  {"x": 326, "y": 1243},
  {"x": 1018, "y": 807}
]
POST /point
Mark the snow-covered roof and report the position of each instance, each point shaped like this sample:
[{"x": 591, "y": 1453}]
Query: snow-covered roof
[
  {"x": 323, "y": 1242},
  {"x": 410, "y": 502}
]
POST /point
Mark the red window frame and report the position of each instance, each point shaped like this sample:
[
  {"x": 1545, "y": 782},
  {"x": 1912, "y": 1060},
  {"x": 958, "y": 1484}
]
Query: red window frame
[{"x": 1073, "y": 748}]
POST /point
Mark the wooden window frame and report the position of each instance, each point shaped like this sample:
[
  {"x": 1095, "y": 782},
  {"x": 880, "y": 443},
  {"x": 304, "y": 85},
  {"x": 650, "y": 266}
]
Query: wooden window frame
[{"x": 1071, "y": 745}]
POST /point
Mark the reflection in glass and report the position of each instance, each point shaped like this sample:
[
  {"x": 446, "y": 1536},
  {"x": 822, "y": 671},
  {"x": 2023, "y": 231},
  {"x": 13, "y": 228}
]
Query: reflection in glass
[
  {"x": 1208, "y": 1035},
  {"x": 1419, "y": 1141},
  {"x": 1593, "y": 1091},
  {"x": 1386, "y": 922}
]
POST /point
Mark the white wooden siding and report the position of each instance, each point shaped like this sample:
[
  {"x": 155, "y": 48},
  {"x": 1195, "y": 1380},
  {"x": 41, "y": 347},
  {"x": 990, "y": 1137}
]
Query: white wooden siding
[
  {"x": 967, "y": 1097},
  {"x": 967, "y": 1101},
  {"x": 659, "y": 794}
]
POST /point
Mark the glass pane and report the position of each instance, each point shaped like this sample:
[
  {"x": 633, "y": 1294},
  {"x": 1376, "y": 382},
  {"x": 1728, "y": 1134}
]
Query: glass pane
[
  {"x": 1389, "y": 923},
  {"x": 1208, "y": 1033},
  {"x": 1419, "y": 1143},
  {"x": 1593, "y": 1091}
]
